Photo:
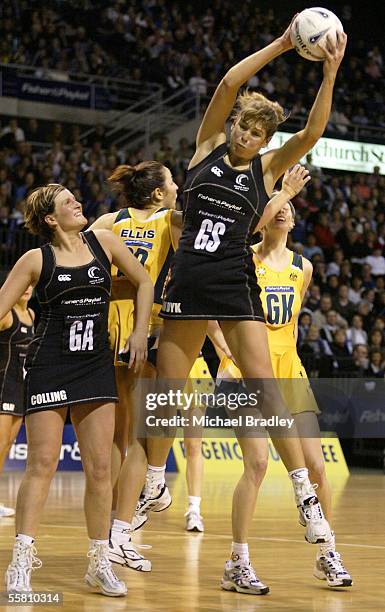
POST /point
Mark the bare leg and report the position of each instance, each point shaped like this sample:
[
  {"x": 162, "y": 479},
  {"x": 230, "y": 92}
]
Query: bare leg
[
  {"x": 194, "y": 466},
  {"x": 179, "y": 345},
  {"x": 248, "y": 343},
  {"x": 44, "y": 437},
  {"x": 133, "y": 473},
  {"x": 9, "y": 428},
  {"x": 314, "y": 459},
  {"x": 255, "y": 461},
  {"x": 124, "y": 383},
  {"x": 94, "y": 427}
]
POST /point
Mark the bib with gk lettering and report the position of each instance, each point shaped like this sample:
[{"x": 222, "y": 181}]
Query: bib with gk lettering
[{"x": 281, "y": 299}]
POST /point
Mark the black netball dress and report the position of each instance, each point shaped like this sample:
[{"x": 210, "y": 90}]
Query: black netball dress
[
  {"x": 69, "y": 360},
  {"x": 212, "y": 275},
  {"x": 14, "y": 342}
]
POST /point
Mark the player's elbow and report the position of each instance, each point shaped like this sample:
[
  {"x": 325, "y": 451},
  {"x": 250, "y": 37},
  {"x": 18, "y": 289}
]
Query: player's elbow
[
  {"x": 229, "y": 82},
  {"x": 311, "y": 135}
]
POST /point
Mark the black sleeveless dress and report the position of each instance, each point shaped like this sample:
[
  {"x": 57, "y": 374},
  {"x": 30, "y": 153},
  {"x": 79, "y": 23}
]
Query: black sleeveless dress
[
  {"x": 14, "y": 343},
  {"x": 212, "y": 275},
  {"x": 69, "y": 360}
]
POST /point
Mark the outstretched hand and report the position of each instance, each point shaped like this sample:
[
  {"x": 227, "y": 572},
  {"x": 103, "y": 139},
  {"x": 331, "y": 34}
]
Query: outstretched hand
[
  {"x": 294, "y": 180},
  {"x": 333, "y": 53},
  {"x": 285, "y": 38}
]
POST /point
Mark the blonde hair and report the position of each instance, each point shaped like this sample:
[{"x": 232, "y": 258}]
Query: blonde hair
[
  {"x": 254, "y": 108},
  {"x": 40, "y": 203}
]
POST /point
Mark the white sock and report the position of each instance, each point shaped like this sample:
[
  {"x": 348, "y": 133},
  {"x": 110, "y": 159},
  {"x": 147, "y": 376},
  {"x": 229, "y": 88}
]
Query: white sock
[
  {"x": 21, "y": 537},
  {"x": 93, "y": 543},
  {"x": 303, "y": 489},
  {"x": 156, "y": 472},
  {"x": 330, "y": 545},
  {"x": 155, "y": 476},
  {"x": 239, "y": 553},
  {"x": 299, "y": 474},
  {"x": 194, "y": 503},
  {"x": 120, "y": 526}
]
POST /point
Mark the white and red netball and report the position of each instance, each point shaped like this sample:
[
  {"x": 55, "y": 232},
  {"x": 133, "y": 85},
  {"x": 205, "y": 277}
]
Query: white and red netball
[{"x": 311, "y": 27}]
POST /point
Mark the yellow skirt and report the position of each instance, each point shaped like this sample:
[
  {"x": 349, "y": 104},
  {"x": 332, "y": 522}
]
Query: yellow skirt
[{"x": 121, "y": 323}]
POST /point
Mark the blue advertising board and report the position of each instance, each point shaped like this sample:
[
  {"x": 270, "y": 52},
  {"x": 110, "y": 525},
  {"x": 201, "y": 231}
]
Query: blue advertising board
[{"x": 69, "y": 454}]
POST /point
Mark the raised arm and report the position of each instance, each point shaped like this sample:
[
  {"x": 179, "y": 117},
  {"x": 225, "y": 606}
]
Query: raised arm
[
  {"x": 6, "y": 322},
  {"x": 293, "y": 182},
  {"x": 212, "y": 129},
  {"x": 279, "y": 160},
  {"x": 25, "y": 272},
  {"x": 123, "y": 259},
  {"x": 176, "y": 227}
]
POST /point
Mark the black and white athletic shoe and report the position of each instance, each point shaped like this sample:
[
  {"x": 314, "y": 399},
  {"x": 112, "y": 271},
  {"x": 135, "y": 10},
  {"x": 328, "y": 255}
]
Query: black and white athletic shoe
[
  {"x": 121, "y": 550},
  {"x": 329, "y": 567},
  {"x": 156, "y": 497},
  {"x": 242, "y": 578}
]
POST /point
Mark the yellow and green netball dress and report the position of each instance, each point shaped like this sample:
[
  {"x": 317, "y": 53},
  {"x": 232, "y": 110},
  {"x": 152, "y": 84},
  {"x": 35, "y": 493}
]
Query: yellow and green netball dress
[{"x": 150, "y": 240}]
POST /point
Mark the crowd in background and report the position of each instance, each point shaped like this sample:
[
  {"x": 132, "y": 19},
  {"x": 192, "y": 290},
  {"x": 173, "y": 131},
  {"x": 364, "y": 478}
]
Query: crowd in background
[
  {"x": 340, "y": 217},
  {"x": 178, "y": 44}
]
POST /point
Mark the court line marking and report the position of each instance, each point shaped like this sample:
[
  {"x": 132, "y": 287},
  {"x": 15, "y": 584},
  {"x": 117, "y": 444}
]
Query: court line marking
[
  {"x": 264, "y": 539},
  {"x": 206, "y": 535}
]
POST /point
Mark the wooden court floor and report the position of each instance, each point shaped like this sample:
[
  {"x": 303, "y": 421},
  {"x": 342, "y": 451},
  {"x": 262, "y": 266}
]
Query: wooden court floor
[{"x": 187, "y": 567}]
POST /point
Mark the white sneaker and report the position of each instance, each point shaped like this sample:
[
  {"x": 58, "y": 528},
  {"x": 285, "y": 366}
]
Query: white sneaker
[
  {"x": 122, "y": 551},
  {"x": 138, "y": 521},
  {"x": 242, "y": 578},
  {"x": 156, "y": 497},
  {"x": 4, "y": 511},
  {"x": 310, "y": 513},
  {"x": 100, "y": 575},
  {"x": 194, "y": 521},
  {"x": 18, "y": 574},
  {"x": 330, "y": 567}
]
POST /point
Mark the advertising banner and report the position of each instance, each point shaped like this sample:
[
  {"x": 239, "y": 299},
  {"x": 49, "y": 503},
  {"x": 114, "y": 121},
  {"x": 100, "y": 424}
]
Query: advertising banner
[{"x": 339, "y": 154}]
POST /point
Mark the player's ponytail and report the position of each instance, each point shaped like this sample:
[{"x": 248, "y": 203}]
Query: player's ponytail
[
  {"x": 139, "y": 182},
  {"x": 255, "y": 108}
]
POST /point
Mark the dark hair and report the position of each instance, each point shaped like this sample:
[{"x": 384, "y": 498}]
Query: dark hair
[
  {"x": 40, "y": 203},
  {"x": 138, "y": 182}
]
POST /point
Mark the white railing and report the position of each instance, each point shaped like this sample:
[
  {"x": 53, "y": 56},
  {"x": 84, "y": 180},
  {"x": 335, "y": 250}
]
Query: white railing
[{"x": 164, "y": 116}]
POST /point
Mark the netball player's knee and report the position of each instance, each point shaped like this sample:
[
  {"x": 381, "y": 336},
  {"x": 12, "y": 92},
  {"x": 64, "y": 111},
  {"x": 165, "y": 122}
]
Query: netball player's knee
[
  {"x": 255, "y": 468},
  {"x": 98, "y": 469},
  {"x": 317, "y": 473},
  {"x": 193, "y": 447},
  {"x": 42, "y": 465}
]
